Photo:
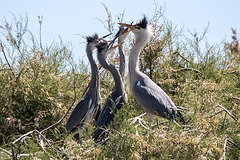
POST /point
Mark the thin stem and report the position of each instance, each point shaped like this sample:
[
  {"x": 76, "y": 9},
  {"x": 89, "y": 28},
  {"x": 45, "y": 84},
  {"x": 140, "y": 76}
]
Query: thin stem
[{"x": 2, "y": 49}]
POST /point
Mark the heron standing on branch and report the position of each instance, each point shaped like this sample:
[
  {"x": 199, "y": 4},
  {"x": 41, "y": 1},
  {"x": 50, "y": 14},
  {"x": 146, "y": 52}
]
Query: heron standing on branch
[
  {"x": 89, "y": 107},
  {"x": 148, "y": 94},
  {"x": 117, "y": 97}
]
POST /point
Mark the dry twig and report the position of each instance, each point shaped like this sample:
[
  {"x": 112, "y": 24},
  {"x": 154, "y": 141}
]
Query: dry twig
[
  {"x": 224, "y": 148},
  {"x": 236, "y": 98},
  {"x": 5, "y": 151},
  {"x": 224, "y": 109},
  {"x": 14, "y": 154},
  {"x": 190, "y": 69},
  {"x": 2, "y": 49}
]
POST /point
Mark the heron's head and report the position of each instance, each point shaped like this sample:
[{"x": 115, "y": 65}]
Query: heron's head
[
  {"x": 103, "y": 48},
  {"x": 92, "y": 40},
  {"x": 140, "y": 29},
  {"x": 123, "y": 33}
]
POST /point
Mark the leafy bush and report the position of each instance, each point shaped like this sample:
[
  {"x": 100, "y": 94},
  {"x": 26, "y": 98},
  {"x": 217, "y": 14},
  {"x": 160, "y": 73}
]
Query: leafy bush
[{"x": 37, "y": 87}]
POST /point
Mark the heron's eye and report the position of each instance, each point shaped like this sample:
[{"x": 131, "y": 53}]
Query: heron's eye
[{"x": 137, "y": 27}]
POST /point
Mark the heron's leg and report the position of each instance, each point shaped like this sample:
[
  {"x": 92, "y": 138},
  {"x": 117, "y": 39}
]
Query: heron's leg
[
  {"x": 77, "y": 132},
  {"x": 77, "y": 138},
  {"x": 169, "y": 123},
  {"x": 157, "y": 124},
  {"x": 149, "y": 118}
]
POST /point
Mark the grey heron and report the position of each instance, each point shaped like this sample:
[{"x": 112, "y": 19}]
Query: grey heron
[
  {"x": 89, "y": 107},
  {"x": 147, "y": 93},
  {"x": 116, "y": 99},
  {"x": 122, "y": 34}
]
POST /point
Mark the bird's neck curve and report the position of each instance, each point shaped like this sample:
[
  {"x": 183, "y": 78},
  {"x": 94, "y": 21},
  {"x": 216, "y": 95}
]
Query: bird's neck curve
[
  {"x": 95, "y": 81},
  {"x": 115, "y": 73},
  {"x": 122, "y": 59},
  {"x": 141, "y": 41}
]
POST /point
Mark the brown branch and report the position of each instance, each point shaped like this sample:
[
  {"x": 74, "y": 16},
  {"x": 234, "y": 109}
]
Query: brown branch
[
  {"x": 2, "y": 49},
  {"x": 233, "y": 72}
]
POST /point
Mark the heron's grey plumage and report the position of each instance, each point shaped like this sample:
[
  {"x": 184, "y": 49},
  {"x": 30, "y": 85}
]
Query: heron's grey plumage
[
  {"x": 122, "y": 61},
  {"x": 115, "y": 99},
  {"x": 148, "y": 94},
  {"x": 89, "y": 107}
]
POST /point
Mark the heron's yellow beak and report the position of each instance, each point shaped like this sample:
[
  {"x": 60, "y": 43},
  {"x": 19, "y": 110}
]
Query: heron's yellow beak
[
  {"x": 129, "y": 26},
  {"x": 113, "y": 47},
  {"x": 126, "y": 31}
]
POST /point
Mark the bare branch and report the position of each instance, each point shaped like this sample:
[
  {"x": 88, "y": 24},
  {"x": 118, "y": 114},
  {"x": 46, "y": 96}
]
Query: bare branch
[
  {"x": 191, "y": 69},
  {"x": 182, "y": 56},
  {"x": 5, "y": 151},
  {"x": 236, "y": 98},
  {"x": 224, "y": 147},
  {"x": 14, "y": 154},
  {"x": 2, "y": 49},
  {"x": 224, "y": 109},
  {"x": 40, "y": 18},
  {"x": 216, "y": 113}
]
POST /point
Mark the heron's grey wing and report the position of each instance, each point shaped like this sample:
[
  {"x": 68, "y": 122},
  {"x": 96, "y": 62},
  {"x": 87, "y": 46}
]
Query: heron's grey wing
[
  {"x": 79, "y": 113},
  {"x": 153, "y": 99},
  {"x": 107, "y": 115}
]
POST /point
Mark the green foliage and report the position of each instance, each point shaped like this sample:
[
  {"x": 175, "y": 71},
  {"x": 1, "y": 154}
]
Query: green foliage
[
  {"x": 37, "y": 87},
  {"x": 40, "y": 84}
]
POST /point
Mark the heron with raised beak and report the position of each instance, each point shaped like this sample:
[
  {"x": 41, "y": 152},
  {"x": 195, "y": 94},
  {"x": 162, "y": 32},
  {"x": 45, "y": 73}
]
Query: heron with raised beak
[
  {"x": 147, "y": 93},
  {"x": 89, "y": 107},
  {"x": 116, "y": 99}
]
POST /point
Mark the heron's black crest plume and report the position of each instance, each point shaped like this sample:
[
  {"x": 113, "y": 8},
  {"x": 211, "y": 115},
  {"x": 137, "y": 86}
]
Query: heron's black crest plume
[
  {"x": 92, "y": 38},
  {"x": 143, "y": 23}
]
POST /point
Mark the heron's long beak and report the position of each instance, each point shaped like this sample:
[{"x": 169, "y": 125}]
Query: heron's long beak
[
  {"x": 113, "y": 47},
  {"x": 130, "y": 26},
  {"x": 127, "y": 30},
  {"x": 103, "y": 37}
]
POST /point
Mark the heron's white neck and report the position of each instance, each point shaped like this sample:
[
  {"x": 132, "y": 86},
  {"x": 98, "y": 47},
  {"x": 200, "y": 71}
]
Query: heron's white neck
[{"x": 141, "y": 40}]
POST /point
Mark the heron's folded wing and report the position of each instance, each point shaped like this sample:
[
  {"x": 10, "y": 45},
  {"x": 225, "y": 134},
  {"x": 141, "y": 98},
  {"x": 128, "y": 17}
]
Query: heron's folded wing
[
  {"x": 107, "y": 115},
  {"x": 152, "y": 99},
  {"x": 79, "y": 113}
]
